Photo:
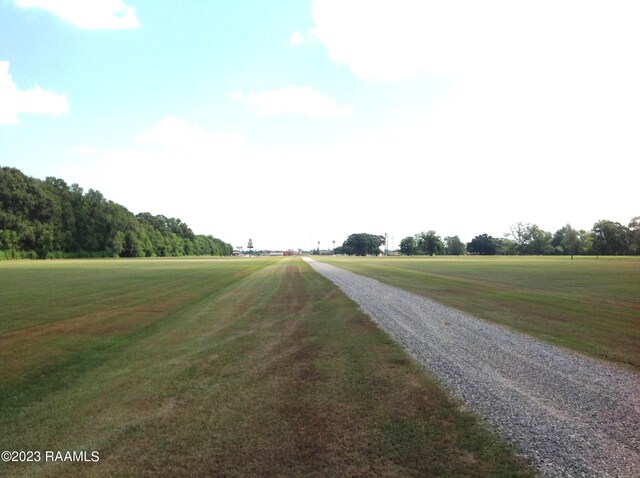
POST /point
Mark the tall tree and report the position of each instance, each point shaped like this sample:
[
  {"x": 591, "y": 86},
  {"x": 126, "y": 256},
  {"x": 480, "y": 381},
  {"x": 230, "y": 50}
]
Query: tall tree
[
  {"x": 530, "y": 239},
  {"x": 454, "y": 246},
  {"x": 567, "y": 241},
  {"x": 363, "y": 244},
  {"x": 408, "y": 246},
  {"x": 610, "y": 238},
  {"x": 539, "y": 241},
  {"x": 429, "y": 243},
  {"x": 483, "y": 244},
  {"x": 520, "y": 235}
]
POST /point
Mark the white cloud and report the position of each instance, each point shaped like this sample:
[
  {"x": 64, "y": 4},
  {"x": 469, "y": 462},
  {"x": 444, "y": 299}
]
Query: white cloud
[
  {"x": 35, "y": 100},
  {"x": 294, "y": 100},
  {"x": 84, "y": 149},
  {"x": 530, "y": 69},
  {"x": 385, "y": 41},
  {"x": 420, "y": 174},
  {"x": 215, "y": 181},
  {"x": 228, "y": 185},
  {"x": 380, "y": 40},
  {"x": 89, "y": 15},
  {"x": 542, "y": 113},
  {"x": 177, "y": 133},
  {"x": 173, "y": 131},
  {"x": 296, "y": 38}
]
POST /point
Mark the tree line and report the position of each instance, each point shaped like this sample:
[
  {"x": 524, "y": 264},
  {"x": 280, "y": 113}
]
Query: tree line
[
  {"x": 50, "y": 219},
  {"x": 605, "y": 238}
]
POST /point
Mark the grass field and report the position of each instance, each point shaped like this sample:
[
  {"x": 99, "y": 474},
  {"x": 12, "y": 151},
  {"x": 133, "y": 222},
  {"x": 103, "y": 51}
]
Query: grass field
[
  {"x": 586, "y": 304},
  {"x": 209, "y": 367}
]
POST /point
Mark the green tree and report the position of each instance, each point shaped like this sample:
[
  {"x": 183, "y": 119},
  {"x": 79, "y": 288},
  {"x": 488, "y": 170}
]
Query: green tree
[
  {"x": 539, "y": 241},
  {"x": 483, "y": 244},
  {"x": 586, "y": 242},
  {"x": 610, "y": 238},
  {"x": 454, "y": 246},
  {"x": 408, "y": 246},
  {"x": 506, "y": 246},
  {"x": 567, "y": 240},
  {"x": 64, "y": 221},
  {"x": 634, "y": 235},
  {"x": 520, "y": 234},
  {"x": 49, "y": 219},
  {"x": 363, "y": 244},
  {"x": 530, "y": 239},
  {"x": 27, "y": 209},
  {"x": 429, "y": 243}
]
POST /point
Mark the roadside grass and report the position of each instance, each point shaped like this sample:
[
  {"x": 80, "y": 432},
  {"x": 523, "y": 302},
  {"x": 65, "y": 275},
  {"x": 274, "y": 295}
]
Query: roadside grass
[
  {"x": 269, "y": 370},
  {"x": 589, "y": 305}
]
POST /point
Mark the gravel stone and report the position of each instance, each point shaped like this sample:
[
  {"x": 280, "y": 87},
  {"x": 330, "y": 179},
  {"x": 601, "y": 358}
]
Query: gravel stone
[{"x": 568, "y": 414}]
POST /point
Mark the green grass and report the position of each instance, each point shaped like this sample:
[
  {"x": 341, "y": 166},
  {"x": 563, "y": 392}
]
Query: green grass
[
  {"x": 589, "y": 305},
  {"x": 257, "y": 367}
]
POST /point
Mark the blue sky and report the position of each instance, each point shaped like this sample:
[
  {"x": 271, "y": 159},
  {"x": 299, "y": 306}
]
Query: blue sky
[{"x": 293, "y": 122}]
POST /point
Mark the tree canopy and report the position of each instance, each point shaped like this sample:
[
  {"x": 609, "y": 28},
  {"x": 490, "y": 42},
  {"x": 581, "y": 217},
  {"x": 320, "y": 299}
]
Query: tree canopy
[
  {"x": 454, "y": 246},
  {"x": 483, "y": 244},
  {"x": 429, "y": 243},
  {"x": 51, "y": 219},
  {"x": 408, "y": 246},
  {"x": 362, "y": 244}
]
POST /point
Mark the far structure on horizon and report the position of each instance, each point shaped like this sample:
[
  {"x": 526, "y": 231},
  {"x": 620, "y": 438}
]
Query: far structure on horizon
[{"x": 250, "y": 246}]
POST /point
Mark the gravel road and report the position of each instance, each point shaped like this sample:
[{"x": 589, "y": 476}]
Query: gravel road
[{"x": 570, "y": 415}]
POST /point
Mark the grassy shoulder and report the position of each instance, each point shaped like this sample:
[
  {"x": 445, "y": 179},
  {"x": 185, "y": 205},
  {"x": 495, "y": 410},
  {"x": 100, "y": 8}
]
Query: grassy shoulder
[
  {"x": 273, "y": 373},
  {"x": 589, "y": 305}
]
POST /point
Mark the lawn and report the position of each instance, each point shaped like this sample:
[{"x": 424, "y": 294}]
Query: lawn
[
  {"x": 589, "y": 305},
  {"x": 218, "y": 367}
]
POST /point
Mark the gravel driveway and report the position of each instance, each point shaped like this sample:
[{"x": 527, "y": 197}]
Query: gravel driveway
[{"x": 568, "y": 414}]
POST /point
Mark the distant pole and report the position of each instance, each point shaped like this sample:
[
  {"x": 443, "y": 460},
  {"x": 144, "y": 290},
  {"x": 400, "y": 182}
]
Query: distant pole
[
  {"x": 318, "y": 247},
  {"x": 386, "y": 245},
  {"x": 250, "y": 247},
  {"x": 333, "y": 251}
]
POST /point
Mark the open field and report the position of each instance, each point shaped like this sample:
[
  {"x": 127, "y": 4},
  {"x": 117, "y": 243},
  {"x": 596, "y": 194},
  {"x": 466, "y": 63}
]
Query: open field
[
  {"x": 218, "y": 367},
  {"x": 589, "y": 305}
]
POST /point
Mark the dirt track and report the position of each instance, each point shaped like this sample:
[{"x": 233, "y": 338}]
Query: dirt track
[{"x": 569, "y": 414}]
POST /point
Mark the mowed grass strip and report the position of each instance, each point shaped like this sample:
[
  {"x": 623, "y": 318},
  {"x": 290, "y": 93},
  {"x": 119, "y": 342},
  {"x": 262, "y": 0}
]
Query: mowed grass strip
[
  {"x": 61, "y": 318},
  {"x": 279, "y": 374},
  {"x": 589, "y": 305}
]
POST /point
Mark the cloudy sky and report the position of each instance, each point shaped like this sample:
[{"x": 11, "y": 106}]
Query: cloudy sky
[{"x": 297, "y": 121}]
